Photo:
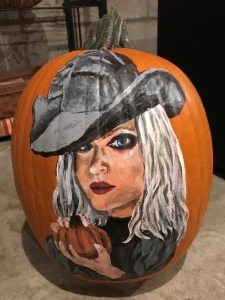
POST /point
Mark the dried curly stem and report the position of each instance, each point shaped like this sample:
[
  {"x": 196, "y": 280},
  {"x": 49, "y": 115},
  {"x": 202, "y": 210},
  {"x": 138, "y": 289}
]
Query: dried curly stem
[{"x": 108, "y": 32}]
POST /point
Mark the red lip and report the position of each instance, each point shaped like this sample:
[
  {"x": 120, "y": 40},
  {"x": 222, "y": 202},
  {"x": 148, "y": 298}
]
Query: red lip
[{"x": 101, "y": 187}]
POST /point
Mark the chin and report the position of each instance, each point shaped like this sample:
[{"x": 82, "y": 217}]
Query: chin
[{"x": 122, "y": 211}]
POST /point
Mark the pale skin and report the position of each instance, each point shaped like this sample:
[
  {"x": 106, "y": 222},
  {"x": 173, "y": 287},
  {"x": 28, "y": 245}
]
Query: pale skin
[{"x": 115, "y": 159}]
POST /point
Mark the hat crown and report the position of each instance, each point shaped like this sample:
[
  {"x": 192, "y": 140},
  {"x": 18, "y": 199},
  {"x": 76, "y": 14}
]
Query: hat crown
[{"x": 95, "y": 81}]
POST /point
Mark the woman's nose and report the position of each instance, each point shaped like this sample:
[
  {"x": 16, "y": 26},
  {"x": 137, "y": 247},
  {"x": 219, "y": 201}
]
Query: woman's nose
[{"x": 99, "y": 163}]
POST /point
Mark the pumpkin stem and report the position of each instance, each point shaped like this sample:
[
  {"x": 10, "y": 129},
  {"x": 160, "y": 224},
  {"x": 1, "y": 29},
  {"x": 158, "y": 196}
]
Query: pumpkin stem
[
  {"x": 75, "y": 222},
  {"x": 108, "y": 32}
]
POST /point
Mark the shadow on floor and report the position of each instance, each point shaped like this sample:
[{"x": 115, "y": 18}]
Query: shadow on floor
[{"x": 59, "y": 277}]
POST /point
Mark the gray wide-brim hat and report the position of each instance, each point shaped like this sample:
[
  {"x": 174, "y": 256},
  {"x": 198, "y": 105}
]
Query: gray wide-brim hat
[{"x": 92, "y": 94}]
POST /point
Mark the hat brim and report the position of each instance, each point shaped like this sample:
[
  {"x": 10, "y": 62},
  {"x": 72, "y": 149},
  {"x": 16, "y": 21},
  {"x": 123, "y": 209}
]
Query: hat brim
[{"x": 62, "y": 131}]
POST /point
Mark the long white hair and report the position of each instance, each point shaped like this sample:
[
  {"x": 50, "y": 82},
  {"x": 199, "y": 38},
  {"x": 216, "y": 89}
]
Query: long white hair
[{"x": 161, "y": 209}]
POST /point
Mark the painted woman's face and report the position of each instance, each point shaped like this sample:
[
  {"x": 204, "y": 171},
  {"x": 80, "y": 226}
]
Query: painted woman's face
[{"x": 110, "y": 170}]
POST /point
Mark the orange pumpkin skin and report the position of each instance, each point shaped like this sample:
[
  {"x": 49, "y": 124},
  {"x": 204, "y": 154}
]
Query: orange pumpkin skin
[
  {"x": 62, "y": 236},
  {"x": 35, "y": 175}
]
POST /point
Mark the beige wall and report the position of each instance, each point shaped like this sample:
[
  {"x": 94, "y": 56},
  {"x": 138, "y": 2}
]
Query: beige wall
[{"x": 30, "y": 38}]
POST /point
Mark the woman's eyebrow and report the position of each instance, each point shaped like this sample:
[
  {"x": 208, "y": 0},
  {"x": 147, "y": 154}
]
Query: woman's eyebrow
[{"x": 111, "y": 132}]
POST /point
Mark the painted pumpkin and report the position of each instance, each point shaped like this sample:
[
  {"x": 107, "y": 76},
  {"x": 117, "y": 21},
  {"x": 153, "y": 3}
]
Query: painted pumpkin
[
  {"x": 82, "y": 238},
  {"x": 119, "y": 138}
]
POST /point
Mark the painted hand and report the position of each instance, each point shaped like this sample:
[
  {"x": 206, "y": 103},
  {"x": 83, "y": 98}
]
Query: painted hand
[{"x": 102, "y": 264}]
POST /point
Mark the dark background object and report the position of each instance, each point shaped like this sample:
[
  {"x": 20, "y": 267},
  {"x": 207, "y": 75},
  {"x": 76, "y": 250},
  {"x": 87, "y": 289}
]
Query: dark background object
[
  {"x": 68, "y": 4},
  {"x": 191, "y": 34}
]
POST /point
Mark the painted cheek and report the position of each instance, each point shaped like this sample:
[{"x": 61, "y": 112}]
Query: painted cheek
[
  {"x": 83, "y": 163},
  {"x": 83, "y": 173}
]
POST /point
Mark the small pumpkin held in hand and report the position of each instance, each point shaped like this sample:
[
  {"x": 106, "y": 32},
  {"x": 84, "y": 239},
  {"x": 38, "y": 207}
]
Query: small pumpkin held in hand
[{"x": 83, "y": 238}]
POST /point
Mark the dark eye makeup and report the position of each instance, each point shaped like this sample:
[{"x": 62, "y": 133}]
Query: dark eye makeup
[
  {"x": 122, "y": 141},
  {"x": 85, "y": 148}
]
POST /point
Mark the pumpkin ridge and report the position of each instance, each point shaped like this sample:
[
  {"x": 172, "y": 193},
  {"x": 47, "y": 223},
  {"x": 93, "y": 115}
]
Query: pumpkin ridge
[
  {"x": 36, "y": 202},
  {"x": 24, "y": 177},
  {"x": 203, "y": 116},
  {"x": 75, "y": 225},
  {"x": 88, "y": 240},
  {"x": 71, "y": 238},
  {"x": 96, "y": 237},
  {"x": 66, "y": 245},
  {"x": 105, "y": 240},
  {"x": 62, "y": 236}
]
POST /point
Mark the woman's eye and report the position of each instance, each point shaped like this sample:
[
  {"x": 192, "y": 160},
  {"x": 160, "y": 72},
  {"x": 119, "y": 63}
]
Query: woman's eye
[
  {"x": 123, "y": 141},
  {"x": 85, "y": 148}
]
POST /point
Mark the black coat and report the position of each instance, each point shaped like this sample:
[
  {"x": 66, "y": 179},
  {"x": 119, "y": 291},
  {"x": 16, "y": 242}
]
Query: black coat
[{"x": 137, "y": 258}]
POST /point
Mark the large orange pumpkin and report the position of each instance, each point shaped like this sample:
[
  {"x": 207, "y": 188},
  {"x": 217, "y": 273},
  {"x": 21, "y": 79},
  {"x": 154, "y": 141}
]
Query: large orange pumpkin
[{"x": 35, "y": 177}]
